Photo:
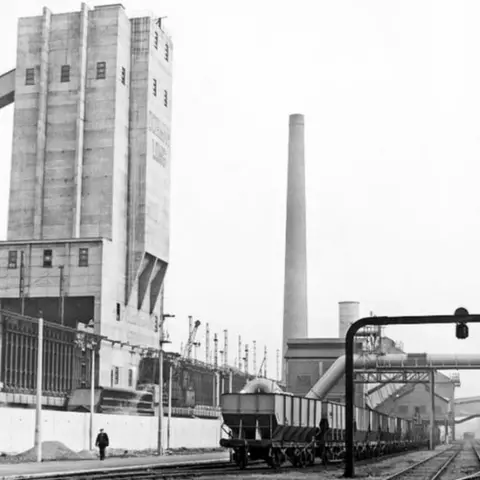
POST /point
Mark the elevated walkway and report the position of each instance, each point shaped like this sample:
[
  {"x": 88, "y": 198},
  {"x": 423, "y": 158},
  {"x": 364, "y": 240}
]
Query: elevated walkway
[{"x": 7, "y": 88}]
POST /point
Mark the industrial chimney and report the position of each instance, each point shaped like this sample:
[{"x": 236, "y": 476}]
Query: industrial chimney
[
  {"x": 295, "y": 323},
  {"x": 348, "y": 312}
]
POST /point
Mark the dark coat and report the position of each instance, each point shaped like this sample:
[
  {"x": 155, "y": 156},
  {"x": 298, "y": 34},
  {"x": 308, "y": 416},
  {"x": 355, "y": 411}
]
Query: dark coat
[{"x": 102, "y": 440}]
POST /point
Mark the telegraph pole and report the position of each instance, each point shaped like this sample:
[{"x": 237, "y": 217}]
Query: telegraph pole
[
  {"x": 161, "y": 342},
  {"x": 38, "y": 409}
]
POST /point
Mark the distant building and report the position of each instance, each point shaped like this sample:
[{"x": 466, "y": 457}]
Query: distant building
[{"x": 88, "y": 226}]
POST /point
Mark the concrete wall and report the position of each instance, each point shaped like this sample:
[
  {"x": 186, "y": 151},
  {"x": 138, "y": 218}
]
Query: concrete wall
[{"x": 125, "y": 432}]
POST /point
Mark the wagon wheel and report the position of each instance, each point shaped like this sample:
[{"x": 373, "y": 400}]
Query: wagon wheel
[
  {"x": 241, "y": 458},
  {"x": 276, "y": 458},
  {"x": 310, "y": 456},
  {"x": 302, "y": 459}
]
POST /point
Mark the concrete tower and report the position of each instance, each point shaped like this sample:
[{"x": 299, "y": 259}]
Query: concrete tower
[
  {"x": 295, "y": 315},
  {"x": 88, "y": 226},
  {"x": 348, "y": 313}
]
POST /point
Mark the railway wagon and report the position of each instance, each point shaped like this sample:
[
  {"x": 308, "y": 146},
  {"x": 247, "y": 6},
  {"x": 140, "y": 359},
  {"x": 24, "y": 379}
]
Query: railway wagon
[
  {"x": 375, "y": 433},
  {"x": 272, "y": 427},
  {"x": 276, "y": 427}
]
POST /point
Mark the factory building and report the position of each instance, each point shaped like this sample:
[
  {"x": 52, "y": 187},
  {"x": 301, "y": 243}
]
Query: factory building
[{"x": 88, "y": 225}]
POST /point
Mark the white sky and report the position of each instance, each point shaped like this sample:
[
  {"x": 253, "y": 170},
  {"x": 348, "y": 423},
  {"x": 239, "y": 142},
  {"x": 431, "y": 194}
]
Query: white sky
[{"x": 390, "y": 94}]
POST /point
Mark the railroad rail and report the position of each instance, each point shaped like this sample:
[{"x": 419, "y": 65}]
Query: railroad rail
[
  {"x": 164, "y": 472},
  {"x": 470, "y": 462},
  {"x": 430, "y": 468}
]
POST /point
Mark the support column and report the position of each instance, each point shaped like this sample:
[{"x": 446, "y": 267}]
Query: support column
[
  {"x": 432, "y": 409},
  {"x": 41, "y": 124},
  {"x": 80, "y": 125}
]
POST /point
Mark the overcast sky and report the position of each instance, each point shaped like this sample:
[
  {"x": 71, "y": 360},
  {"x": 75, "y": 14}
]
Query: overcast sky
[{"x": 390, "y": 94}]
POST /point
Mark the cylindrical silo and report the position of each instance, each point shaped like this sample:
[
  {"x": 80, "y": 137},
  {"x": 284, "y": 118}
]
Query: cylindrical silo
[
  {"x": 349, "y": 312},
  {"x": 295, "y": 287}
]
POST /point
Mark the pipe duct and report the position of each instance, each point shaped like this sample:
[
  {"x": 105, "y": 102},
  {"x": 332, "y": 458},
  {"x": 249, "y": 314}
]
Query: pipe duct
[{"x": 394, "y": 360}]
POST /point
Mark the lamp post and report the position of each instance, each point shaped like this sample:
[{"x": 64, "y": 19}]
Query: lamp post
[
  {"x": 161, "y": 342},
  {"x": 91, "y": 345},
  {"x": 86, "y": 341},
  {"x": 38, "y": 410}
]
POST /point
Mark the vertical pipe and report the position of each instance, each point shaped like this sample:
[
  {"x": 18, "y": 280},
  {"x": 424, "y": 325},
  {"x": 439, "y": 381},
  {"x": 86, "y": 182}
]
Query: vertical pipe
[
  {"x": 38, "y": 410},
  {"x": 432, "y": 409},
  {"x": 230, "y": 382},
  {"x": 255, "y": 358},
  {"x": 41, "y": 125},
  {"x": 80, "y": 123},
  {"x": 207, "y": 343},
  {"x": 265, "y": 361},
  {"x": 278, "y": 366},
  {"x": 160, "y": 400},
  {"x": 169, "y": 419},
  {"x": 217, "y": 390},
  {"x": 349, "y": 403},
  {"x": 239, "y": 352},
  {"x": 225, "y": 347},
  {"x": 92, "y": 397},
  {"x": 295, "y": 323},
  {"x": 21, "y": 285},
  {"x": 61, "y": 303}
]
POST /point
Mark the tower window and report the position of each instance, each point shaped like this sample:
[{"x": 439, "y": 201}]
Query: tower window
[
  {"x": 30, "y": 76},
  {"x": 130, "y": 377},
  {"x": 154, "y": 87},
  {"x": 123, "y": 75},
  {"x": 12, "y": 259},
  {"x": 165, "y": 98},
  {"x": 155, "y": 40},
  {"x": 101, "y": 70},
  {"x": 83, "y": 257},
  {"x": 167, "y": 52},
  {"x": 65, "y": 73},
  {"x": 118, "y": 312},
  {"x": 116, "y": 371},
  {"x": 47, "y": 258}
]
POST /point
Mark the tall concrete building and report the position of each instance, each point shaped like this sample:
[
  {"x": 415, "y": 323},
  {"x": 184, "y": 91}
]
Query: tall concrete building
[
  {"x": 88, "y": 226},
  {"x": 295, "y": 312}
]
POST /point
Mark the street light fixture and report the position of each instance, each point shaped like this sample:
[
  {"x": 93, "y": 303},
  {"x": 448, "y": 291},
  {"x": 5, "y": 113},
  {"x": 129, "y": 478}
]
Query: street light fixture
[{"x": 162, "y": 341}]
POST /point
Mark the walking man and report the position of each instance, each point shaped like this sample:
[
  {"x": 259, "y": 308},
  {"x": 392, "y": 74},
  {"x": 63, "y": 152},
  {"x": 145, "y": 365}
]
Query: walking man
[{"x": 102, "y": 443}]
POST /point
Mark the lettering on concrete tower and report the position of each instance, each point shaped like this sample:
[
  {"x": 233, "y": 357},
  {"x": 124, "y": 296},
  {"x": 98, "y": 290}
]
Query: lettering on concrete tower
[{"x": 160, "y": 139}]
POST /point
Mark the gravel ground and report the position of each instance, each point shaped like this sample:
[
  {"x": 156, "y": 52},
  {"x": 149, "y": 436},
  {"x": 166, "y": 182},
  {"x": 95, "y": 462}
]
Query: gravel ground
[{"x": 376, "y": 471}]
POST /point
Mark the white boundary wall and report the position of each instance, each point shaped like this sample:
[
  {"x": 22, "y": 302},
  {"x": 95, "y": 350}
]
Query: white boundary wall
[{"x": 126, "y": 432}]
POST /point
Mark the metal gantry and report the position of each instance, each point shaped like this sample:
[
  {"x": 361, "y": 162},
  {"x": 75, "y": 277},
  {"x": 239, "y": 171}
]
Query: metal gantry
[{"x": 461, "y": 318}]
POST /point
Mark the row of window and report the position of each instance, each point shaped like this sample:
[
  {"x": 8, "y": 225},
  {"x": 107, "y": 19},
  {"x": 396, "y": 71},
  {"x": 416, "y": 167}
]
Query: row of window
[
  {"x": 48, "y": 258},
  {"x": 101, "y": 75},
  {"x": 65, "y": 73},
  {"x": 165, "y": 93},
  {"x": 115, "y": 376},
  {"x": 166, "y": 54}
]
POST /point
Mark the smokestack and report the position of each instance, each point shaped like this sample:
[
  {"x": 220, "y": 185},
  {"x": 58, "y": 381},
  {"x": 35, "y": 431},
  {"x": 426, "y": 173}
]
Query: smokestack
[
  {"x": 295, "y": 321},
  {"x": 348, "y": 312}
]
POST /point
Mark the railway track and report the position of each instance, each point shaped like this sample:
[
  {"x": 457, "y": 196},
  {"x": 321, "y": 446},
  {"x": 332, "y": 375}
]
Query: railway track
[
  {"x": 214, "y": 469},
  {"x": 430, "y": 468},
  {"x": 467, "y": 462}
]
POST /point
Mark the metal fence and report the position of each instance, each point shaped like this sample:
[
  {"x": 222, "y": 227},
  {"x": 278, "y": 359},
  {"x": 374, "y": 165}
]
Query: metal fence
[{"x": 66, "y": 365}]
